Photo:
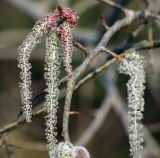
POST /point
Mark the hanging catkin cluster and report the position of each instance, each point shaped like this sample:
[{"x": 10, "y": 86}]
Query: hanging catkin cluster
[
  {"x": 68, "y": 150},
  {"x": 56, "y": 27},
  {"x": 133, "y": 66}
]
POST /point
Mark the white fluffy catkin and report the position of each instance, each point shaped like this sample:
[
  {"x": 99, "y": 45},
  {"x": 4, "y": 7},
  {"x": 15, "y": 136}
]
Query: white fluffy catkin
[
  {"x": 133, "y": 66},
  {"x": 52, "y": 66},
  {"x": 24, "y": 52}
]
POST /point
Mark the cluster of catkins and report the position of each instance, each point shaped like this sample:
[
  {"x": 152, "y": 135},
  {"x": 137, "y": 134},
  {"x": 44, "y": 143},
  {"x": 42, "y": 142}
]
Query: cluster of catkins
[
  {"x": 133, "y": 66},
  {"x": 56, "y": 27}
]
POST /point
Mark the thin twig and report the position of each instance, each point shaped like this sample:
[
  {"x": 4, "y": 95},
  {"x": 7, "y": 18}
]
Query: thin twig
[
  {"x": 82, "y": 48},
  {"x": 107, "y": 51},
  {"x": 103, "y": 22}
]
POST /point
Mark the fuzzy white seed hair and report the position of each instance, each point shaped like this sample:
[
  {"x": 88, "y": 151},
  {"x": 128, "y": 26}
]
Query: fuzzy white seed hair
[
  {"x": 64, "y": 150},
  {"x": 52, "y": 66},
  {"x": 67, "y": 150},
  {"x": 24, "y": 52},
  {"x": 133, "y": 66}
]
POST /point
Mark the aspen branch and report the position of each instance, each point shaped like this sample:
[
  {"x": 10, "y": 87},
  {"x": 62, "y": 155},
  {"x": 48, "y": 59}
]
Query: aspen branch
[{"x": 77, "y": 80}]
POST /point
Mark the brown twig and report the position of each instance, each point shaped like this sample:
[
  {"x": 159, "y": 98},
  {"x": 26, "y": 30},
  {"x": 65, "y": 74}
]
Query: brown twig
[
  {"x": 114, "y": 55},
  {"x": 82, "y": 48},
  {"x": 103, "y": 22}
]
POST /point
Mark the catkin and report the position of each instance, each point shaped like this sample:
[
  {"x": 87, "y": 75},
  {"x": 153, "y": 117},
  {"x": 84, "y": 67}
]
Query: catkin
[
  {"x": 133, "y": 66},
  {"x": 24, "y": 52},
  {"x": 52, "y": 66},
  {"x": 67, "y": 46}
]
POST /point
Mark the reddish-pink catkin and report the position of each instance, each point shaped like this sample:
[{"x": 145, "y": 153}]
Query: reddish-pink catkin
[{"x": 67, "y": 45}]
